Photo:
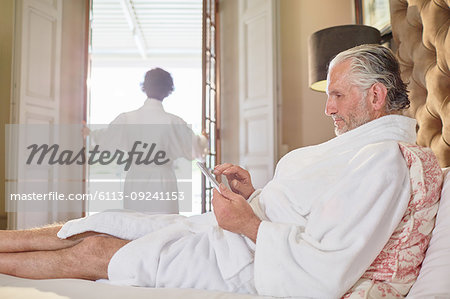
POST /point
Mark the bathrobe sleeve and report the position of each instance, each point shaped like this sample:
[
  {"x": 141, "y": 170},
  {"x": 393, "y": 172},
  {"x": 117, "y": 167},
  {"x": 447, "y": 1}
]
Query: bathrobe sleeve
[
  {"x": 185, "y": 143},
  {"x": 114, "y": 136},
  {"x": 344, "y": 233}
]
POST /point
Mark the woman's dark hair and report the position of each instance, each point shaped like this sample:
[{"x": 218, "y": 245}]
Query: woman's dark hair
[{"x": 158, "y": 84}]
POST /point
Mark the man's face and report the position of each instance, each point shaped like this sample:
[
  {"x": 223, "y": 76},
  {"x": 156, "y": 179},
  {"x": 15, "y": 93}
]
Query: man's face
[{"x": 346, "y": 103}]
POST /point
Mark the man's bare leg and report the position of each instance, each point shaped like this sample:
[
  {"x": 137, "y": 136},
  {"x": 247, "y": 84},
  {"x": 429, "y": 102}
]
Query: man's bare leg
[
  {"x": 37, "y": 239},
  {"x": 88, "y": 259}
]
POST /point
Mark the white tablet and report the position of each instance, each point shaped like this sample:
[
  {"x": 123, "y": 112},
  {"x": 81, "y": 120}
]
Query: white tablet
[{"x": 208, "y": 174}]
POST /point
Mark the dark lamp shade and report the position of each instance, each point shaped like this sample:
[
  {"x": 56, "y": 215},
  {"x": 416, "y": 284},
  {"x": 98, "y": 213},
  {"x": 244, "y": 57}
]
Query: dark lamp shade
[{"x": 327, "y": 43}]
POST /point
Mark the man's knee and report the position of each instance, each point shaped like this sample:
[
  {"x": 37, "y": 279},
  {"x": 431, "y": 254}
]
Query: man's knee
[
  {"x": 92, "y": 246},
  {"x": 92, "y": 255},
  {"x": 99, "y": 247}
]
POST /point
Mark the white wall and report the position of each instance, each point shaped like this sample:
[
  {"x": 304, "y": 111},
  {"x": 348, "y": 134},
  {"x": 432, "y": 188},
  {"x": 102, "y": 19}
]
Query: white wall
[
  {"x": 303, "y": 119},
  {"x": 229, "y": 80},
  {"x": 73, "y": 56},
  {"x": 304, "y": 122}
]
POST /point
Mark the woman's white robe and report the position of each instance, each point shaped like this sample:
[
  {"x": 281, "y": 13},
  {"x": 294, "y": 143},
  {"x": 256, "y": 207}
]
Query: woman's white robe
[
  {"x": 327, "y": 213},
  {"x": 171, "y": 134}
]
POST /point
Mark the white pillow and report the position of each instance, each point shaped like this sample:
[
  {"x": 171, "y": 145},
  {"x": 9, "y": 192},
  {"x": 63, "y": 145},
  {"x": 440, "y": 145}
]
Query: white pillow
[{"x": 434, "y": 276}]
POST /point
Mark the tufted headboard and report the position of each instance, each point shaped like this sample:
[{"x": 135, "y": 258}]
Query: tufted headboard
[{"x": 421, "y": 32}]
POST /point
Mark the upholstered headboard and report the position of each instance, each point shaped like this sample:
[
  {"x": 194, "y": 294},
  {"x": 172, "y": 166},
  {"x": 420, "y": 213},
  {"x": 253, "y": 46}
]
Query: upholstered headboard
[{"x": 421, "y": 32}]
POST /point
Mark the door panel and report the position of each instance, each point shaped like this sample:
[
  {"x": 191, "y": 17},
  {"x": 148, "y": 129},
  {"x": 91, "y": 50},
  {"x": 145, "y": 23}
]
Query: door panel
[
  {"x": 36, "y": 96},
  {"x": 257, "y": 52}
]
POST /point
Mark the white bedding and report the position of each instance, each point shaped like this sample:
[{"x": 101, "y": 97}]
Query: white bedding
[
  {"x": 433, "y": 281},
  {"x": 77, "y": 288}
]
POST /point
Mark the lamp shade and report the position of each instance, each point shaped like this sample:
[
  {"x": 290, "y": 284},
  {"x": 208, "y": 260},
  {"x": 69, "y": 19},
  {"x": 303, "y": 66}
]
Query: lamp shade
[{"x": 327, "y": 43}]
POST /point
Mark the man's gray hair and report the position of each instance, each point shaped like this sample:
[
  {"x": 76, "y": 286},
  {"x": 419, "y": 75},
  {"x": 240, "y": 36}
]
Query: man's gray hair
[{"x": 370, "y": 64}]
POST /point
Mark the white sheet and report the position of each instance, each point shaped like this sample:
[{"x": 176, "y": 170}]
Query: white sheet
[{"x": 84, "y": 289}]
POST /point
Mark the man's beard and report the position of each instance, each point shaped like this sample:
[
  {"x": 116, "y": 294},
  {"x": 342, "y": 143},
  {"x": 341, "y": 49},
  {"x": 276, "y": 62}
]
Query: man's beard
[{"x": 355, "y": 119}]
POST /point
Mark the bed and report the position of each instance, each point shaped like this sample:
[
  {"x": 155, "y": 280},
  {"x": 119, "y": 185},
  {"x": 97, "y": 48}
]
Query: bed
[
  {"x": 17, "y": 288},
  {"x": 433, "y": 280},
  {"x": 420, "y": 30},
  {"x": 421, "y": 33}
]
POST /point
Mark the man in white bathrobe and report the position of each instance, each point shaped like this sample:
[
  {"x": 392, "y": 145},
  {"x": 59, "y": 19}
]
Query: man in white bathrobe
[{"x": 312, "y": 231}]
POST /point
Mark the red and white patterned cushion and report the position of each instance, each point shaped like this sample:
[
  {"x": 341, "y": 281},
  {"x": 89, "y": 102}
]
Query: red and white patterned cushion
[
  {"x": 433, "y": 279},
  {"x": 399, "y": 262}
]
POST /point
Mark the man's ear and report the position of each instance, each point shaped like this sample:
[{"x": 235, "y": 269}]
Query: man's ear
[{"x": 378, "y": 100}]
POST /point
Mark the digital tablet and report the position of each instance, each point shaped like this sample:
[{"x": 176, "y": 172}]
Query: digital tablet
[{"x": 208, "y": 174}]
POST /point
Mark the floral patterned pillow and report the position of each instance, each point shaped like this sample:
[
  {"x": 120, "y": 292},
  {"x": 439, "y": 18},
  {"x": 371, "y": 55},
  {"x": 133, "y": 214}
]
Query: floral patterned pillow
[
  {"x": 397, "y": 266},
  {"x": 433, "y": 280}
]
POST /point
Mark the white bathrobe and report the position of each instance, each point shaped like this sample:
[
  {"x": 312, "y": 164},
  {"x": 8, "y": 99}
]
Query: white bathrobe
[
  {"x": 327, "y": 213},
  {"x": 170, "y": 133}
]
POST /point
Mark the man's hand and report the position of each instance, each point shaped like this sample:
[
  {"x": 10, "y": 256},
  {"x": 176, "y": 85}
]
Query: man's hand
[
  {"x": 238, "y": 178},
  {"x": 233, "y": 213}
]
